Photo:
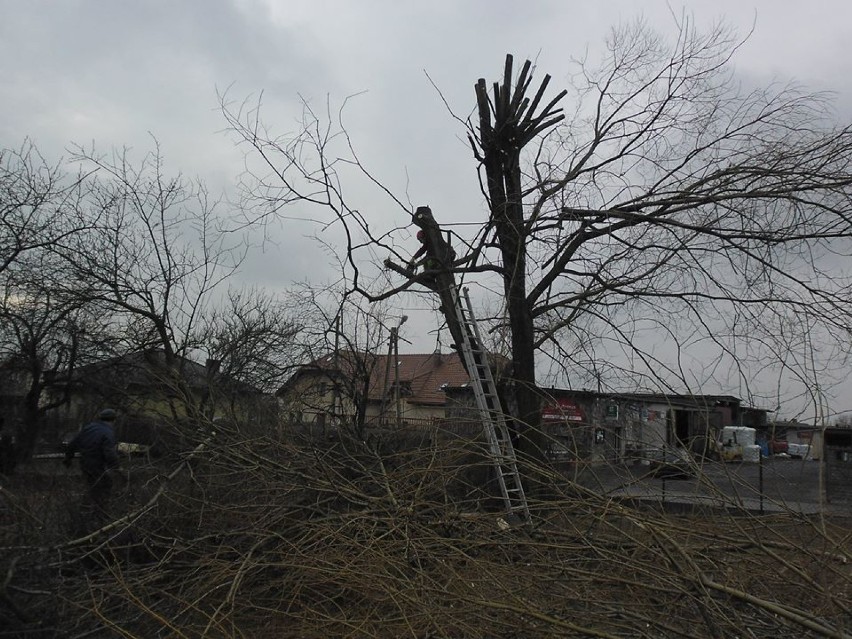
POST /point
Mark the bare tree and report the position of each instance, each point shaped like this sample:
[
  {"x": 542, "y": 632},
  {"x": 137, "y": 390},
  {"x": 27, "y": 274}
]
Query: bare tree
[
  {"x": 250, "y": 343},
  {"x": 154, "y": 256},
  {"x": 343, "y": 343},
  {"x": 37, "y": 202},
  {"x": 45, "y": 333},
  {"x": 144, "y": 264},
  {"x": 672, "y": 199},
  {"x": 673, "y": 192},
  {"x": 44, "y": 330}
]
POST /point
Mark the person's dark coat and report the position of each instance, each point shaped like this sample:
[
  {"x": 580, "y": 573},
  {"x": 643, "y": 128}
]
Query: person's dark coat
[{"x": 97, "y": 448}]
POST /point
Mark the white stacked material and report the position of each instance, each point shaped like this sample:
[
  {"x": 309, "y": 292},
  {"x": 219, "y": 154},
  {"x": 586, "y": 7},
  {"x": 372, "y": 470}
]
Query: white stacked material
[
  {"x": 798, "y": 450},
  {"x": 748, "y": 436},
  {"x": 734, "y": 440},
  {"x": 751, "y": 454},
  {"x": 738, "y": 436}
]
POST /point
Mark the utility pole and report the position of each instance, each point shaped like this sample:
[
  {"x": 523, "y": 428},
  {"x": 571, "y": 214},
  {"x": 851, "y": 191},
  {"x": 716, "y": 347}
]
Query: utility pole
[
  {"x": 395, "y": 337},
  {"x": 335, "y": 380},
  {"x": 382, "y": 416},
  {"x": 393, "y": 352}
]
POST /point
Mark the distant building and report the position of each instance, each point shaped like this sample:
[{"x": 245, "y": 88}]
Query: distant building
[
  {"x": 799, "y": 439},
  {"x": 370, "y": 389},
  {"x": 148, "y": 393},
  {"x": 627, "y": 426}
]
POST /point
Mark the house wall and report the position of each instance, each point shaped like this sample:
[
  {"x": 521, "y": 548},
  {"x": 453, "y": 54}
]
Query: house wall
[
  {"x": 726, "y": 416},
  {"x": 811, "y": 437},
  {"x": 657, "y": 425},
  {"x": 584, "y": 432},
  {"x": 650, "y": 426},
  {"x": 310, "y": 400},
  {"x": 616, "y": 429},
  {"x": 632, "y": 428}
]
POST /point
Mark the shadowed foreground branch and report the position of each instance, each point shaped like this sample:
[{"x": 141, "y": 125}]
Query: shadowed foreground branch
[{"x": 254, "y": 538}]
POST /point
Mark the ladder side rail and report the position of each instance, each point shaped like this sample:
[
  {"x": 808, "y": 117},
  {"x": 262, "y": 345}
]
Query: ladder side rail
[
  {"x": 497, "y": 448},
  {"x": 499, "y": 416},
  {"x": 499, "y": 436},
  {"x": 489, "y": 377},
  {"x": 486, "y": 414},
  {"x": 509, "y": 459}
]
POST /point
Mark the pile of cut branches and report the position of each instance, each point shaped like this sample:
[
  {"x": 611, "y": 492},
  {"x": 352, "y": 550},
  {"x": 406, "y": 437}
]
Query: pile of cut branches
[{"x": 250, "y": 537}]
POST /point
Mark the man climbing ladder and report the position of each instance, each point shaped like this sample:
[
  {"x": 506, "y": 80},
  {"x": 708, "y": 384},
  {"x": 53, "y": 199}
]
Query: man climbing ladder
[{"x": 465, "y": 332}]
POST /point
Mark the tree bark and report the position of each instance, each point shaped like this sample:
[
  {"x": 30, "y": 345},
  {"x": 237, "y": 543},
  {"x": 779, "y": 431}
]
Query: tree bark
[{"x": 501, "y": 144}]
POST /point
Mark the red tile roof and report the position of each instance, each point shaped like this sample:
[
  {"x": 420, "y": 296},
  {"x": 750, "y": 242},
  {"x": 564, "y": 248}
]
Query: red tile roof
[{"x": 425, "y": 373}]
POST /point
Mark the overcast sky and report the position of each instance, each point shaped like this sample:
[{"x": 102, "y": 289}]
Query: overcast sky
[{"x": 115, "y": 72}]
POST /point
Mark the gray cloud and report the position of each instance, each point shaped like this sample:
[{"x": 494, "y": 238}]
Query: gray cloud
[{"x": 111, "y": 72}]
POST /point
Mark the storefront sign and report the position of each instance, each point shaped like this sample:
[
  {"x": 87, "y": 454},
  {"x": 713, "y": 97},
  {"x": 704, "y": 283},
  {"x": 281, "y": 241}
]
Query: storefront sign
[{"x": 562, "y": 410}]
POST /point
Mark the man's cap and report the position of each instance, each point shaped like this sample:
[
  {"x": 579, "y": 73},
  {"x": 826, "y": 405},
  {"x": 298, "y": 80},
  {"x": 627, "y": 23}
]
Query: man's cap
[{"x": 107, "y": 414}]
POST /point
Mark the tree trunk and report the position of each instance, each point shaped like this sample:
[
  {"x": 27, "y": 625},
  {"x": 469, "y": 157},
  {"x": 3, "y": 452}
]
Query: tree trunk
[{"x": 501, "y": 160}]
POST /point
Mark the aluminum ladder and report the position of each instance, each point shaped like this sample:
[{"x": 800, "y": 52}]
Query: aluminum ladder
[{"x": 493, "y": 419}]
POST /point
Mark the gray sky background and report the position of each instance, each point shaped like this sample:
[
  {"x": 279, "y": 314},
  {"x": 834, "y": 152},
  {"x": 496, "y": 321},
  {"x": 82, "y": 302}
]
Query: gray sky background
[{"x": 115, "y": 72}]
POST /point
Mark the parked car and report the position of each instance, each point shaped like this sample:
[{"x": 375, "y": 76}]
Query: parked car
[{"x": 778, "y": 446}]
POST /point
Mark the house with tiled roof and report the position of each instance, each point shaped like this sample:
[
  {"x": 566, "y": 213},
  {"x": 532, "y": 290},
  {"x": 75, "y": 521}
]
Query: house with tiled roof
[
  {"x": 152, "y": 394},
  {"x": 365, "y": 388}
]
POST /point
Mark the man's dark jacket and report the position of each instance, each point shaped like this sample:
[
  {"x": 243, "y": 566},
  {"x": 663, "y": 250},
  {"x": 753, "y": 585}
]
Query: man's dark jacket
[{"x": 96, "y": 445}]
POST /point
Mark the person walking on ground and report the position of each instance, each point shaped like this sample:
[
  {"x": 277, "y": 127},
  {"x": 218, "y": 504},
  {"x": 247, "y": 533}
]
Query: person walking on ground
[{"x": 98, "y": 456}]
